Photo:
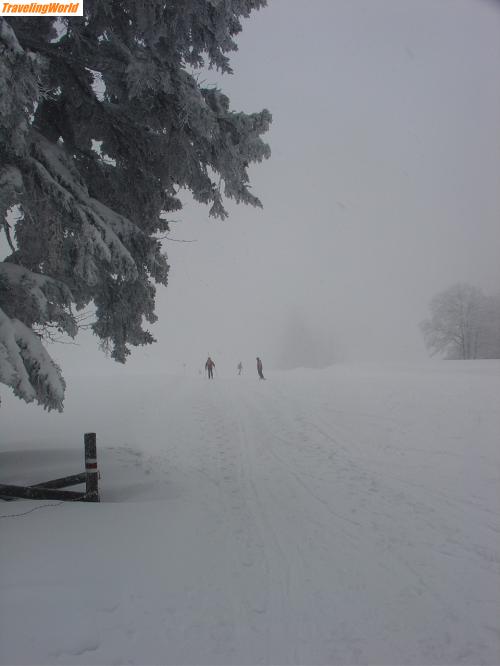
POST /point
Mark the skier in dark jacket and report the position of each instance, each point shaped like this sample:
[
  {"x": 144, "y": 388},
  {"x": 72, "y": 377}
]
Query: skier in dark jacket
[
  {"x": 259, "y": 368},
  {"x": 209, "y": 367}
]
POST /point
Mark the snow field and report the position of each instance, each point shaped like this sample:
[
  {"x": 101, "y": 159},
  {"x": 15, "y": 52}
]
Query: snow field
[{"x": 343, "y": 516}]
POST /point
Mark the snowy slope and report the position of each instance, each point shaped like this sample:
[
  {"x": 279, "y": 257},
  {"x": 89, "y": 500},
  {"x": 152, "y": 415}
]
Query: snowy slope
[{"x": 344, "y": 516}]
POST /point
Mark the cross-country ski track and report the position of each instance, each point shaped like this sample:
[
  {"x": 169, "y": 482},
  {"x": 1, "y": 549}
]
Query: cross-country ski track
[{"x": 342, "y": 516}]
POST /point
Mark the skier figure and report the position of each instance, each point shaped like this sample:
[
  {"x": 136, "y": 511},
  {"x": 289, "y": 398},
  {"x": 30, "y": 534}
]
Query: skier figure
[
  {"x": 209, "y": 366},
  {"x": 240, "y": 367},
  {"x": 259, "y": 368}
]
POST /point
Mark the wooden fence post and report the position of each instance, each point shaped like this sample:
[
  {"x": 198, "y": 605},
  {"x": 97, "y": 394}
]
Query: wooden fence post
[{"x": 91, "y": 472}]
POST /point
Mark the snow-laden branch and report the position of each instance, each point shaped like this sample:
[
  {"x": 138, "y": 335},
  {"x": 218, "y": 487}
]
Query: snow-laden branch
[
  {"x": 103, "y": 232},
  {"x": 26, "y": 366},
  {"x": 35, "y": 298}
]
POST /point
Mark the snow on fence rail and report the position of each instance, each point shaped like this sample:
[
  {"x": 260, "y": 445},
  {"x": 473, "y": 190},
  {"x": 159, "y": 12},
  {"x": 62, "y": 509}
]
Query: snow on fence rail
[{"x": 52, "y": 489}]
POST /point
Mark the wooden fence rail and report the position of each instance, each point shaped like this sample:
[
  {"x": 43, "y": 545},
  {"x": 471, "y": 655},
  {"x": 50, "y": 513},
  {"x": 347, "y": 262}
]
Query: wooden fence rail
[
  {"x": 27, "y": 492},
  {"x": 51, "y": 489},
  {"x": 63, "y": 482}
]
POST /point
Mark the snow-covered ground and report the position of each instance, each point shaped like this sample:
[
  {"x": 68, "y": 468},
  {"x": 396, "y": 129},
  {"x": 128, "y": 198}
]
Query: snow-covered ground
[{"x": 343, "y": 516}]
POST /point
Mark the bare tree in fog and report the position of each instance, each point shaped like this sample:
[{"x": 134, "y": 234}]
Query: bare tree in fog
[
  {"x": 489, "y": 340},
  {"x": 463, "y": 324}
]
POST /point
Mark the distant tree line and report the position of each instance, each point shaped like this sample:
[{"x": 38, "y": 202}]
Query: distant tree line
[
  {"x": 304, "y": 344},
  {"x": 464, "y": 323}
]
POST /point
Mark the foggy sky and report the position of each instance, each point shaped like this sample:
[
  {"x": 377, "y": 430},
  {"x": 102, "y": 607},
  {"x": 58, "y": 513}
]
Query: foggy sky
[{"x": 382, "y": 190}]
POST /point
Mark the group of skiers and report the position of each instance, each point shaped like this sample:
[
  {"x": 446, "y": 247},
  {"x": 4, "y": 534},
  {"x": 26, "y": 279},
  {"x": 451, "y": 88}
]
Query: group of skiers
[{"x": 210, "y": 365}]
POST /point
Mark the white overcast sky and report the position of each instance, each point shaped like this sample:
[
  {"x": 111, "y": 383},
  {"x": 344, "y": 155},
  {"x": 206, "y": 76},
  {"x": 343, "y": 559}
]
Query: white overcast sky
[{"x": 383, "y": 189}]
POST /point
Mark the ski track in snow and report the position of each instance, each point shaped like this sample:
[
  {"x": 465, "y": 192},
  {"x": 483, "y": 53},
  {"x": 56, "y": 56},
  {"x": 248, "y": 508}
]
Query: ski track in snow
[{"x": 342, "y": 517}]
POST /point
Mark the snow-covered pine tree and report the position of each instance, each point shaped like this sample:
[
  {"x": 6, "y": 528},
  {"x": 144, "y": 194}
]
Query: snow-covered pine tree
[{"x": 102, "y": 122}]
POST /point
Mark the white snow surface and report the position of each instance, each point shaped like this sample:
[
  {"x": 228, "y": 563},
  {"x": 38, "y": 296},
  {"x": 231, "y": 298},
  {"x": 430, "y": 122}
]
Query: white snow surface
[{"x": 342, "y": 516}]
